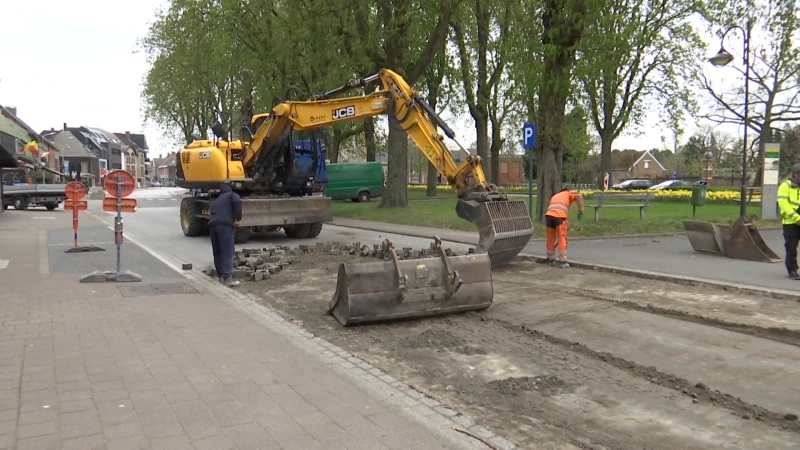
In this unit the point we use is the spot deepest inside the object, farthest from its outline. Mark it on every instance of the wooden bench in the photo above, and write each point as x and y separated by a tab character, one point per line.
644	198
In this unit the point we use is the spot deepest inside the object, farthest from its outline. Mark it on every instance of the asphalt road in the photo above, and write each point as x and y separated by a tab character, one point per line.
157	223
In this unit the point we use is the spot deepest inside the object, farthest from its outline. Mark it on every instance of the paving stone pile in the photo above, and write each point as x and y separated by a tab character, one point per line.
258	264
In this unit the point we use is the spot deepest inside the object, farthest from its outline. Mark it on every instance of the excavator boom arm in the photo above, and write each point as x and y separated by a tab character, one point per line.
396	99
504	226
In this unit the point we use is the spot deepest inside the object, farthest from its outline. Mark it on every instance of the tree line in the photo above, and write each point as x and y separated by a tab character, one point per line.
583	70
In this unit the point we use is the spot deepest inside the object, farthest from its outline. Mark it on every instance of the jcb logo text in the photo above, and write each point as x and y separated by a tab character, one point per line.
341	113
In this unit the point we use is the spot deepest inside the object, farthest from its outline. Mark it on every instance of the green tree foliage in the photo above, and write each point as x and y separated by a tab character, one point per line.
637	52
194	75
569	65
775	67
481	34
440	95
790	149
577	143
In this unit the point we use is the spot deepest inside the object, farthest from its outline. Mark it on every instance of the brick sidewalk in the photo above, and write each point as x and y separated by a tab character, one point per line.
84	367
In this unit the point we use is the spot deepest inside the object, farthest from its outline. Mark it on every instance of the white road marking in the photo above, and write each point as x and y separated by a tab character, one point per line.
81	243
43	218
3	263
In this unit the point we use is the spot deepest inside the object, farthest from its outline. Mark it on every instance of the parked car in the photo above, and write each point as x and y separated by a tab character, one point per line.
630	185
358	182
672	184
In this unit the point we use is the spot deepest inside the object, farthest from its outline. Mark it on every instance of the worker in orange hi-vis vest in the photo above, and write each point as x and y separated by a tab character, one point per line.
555	220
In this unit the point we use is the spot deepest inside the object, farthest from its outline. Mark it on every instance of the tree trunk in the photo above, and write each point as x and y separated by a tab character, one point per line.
605	159
482	135
552	111
497	144
369	134
369	139
433	173
433	180
399	22
396	193
562	25
335	143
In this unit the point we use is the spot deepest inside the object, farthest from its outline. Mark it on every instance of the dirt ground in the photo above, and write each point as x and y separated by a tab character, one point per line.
582	359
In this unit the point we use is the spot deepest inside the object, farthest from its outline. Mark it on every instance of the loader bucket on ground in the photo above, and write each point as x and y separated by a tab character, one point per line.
504	227
704	236
738	241
743	241
412	288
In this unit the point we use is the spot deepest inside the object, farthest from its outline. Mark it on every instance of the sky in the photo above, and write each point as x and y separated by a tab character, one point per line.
75	62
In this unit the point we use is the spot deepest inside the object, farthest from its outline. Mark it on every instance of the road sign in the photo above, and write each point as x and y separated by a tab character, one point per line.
76	205
126	204
119	184
75	190
125	183
605	181
529	135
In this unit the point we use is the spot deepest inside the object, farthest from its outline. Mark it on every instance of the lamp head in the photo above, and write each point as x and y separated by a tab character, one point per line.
722	58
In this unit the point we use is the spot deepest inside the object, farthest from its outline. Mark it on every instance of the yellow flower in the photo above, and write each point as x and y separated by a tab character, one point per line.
668	195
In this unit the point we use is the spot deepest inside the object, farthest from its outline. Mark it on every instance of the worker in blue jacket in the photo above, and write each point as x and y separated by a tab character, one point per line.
226	213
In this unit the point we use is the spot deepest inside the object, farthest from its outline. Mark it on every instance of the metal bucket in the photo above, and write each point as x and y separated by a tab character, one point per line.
504	227
741	240
744	241
412	288
704	237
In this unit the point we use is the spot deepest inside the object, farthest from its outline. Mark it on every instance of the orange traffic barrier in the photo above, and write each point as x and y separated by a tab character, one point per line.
125	204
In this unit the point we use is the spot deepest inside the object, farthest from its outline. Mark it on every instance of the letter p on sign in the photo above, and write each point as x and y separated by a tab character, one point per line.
529	135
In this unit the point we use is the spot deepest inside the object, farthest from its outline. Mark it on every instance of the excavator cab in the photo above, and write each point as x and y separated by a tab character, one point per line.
302	164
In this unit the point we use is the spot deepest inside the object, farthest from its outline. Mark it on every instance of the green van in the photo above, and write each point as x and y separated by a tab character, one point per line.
358	182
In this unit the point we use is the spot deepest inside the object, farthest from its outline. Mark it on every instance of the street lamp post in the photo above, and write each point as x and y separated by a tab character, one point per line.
723	58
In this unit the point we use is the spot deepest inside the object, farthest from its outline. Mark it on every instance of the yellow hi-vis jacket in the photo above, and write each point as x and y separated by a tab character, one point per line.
789	202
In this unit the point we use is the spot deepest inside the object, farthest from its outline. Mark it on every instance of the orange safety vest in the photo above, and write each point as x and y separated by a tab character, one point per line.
560	203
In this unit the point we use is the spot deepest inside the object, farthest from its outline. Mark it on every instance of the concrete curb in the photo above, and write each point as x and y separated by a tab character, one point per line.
778	294
420	234
443	232
436	417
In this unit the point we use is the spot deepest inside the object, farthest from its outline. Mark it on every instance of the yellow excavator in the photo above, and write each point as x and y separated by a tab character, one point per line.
255	169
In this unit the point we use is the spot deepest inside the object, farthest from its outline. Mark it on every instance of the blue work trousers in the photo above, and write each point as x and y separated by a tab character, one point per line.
223	248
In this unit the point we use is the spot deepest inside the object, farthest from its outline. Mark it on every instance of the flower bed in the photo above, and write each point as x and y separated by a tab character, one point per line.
666	195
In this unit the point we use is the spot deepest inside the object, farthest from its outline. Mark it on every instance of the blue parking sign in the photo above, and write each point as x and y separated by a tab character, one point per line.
529	135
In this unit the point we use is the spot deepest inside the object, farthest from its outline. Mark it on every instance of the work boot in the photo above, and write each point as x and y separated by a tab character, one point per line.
563	265
794	276
220	278
231	282
552	262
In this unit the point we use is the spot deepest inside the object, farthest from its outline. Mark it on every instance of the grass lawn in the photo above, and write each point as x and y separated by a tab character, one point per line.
660	217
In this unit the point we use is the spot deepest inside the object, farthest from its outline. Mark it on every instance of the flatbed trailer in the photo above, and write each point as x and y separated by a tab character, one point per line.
23	196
